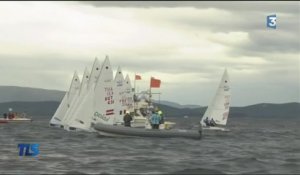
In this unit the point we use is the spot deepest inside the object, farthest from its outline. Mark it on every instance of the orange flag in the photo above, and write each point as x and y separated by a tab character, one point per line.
155	83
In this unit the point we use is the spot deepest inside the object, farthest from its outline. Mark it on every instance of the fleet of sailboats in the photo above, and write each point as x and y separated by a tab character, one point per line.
98	97
99	102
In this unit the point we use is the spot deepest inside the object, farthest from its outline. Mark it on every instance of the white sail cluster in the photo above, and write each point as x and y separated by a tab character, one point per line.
98	98
102	98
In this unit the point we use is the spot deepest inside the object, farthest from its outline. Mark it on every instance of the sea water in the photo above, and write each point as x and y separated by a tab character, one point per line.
251	146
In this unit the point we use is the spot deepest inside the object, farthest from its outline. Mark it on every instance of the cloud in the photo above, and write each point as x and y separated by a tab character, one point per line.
231	38
185	44
288	7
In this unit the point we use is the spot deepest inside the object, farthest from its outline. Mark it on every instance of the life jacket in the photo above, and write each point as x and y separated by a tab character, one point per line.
155	118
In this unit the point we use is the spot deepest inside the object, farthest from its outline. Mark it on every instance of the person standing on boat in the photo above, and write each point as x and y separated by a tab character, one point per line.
4	115
161	120
155	120
127	119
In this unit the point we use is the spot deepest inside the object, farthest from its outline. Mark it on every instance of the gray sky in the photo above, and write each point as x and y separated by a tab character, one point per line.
185	44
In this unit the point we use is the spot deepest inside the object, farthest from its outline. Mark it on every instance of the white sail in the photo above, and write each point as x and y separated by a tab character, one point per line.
67	100
85	81
58	115
119	96
218	110
80	95
85	101
129	94
104	102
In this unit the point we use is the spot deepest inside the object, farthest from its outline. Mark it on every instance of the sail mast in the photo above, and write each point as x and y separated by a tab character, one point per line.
134	94
150	95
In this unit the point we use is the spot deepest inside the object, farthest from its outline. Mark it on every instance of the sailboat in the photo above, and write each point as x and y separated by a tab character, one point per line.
120	97
82	92
104	102
66	101
216	114
128	94
79	118
98	102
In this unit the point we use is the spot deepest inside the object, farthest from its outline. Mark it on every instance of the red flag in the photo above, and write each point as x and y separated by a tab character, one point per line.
155	83
138	77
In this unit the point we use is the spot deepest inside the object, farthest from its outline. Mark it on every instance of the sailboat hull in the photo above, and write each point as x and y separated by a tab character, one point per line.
117	131
215	128
18	120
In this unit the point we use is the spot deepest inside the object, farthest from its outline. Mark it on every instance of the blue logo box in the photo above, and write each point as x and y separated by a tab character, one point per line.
26	149
271	21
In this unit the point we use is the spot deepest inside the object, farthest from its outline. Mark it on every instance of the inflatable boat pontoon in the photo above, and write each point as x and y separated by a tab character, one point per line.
113	130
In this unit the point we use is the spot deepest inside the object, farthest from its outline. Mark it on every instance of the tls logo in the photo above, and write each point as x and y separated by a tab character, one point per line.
30	149
271	21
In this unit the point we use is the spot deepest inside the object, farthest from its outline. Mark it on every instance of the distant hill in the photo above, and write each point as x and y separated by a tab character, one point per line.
42	108
43	102
287	110
15	93
176	105
264	110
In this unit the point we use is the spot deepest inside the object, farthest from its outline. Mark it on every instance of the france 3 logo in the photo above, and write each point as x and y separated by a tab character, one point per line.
271	21
31	150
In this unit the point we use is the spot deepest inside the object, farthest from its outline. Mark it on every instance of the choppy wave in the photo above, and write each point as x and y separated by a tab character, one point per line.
260	146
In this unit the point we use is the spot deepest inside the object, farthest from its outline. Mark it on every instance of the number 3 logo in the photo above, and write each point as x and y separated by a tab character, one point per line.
271	21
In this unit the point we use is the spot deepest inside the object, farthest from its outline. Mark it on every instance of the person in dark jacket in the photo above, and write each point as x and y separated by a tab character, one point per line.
5	115
206	121
212	122
127	119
